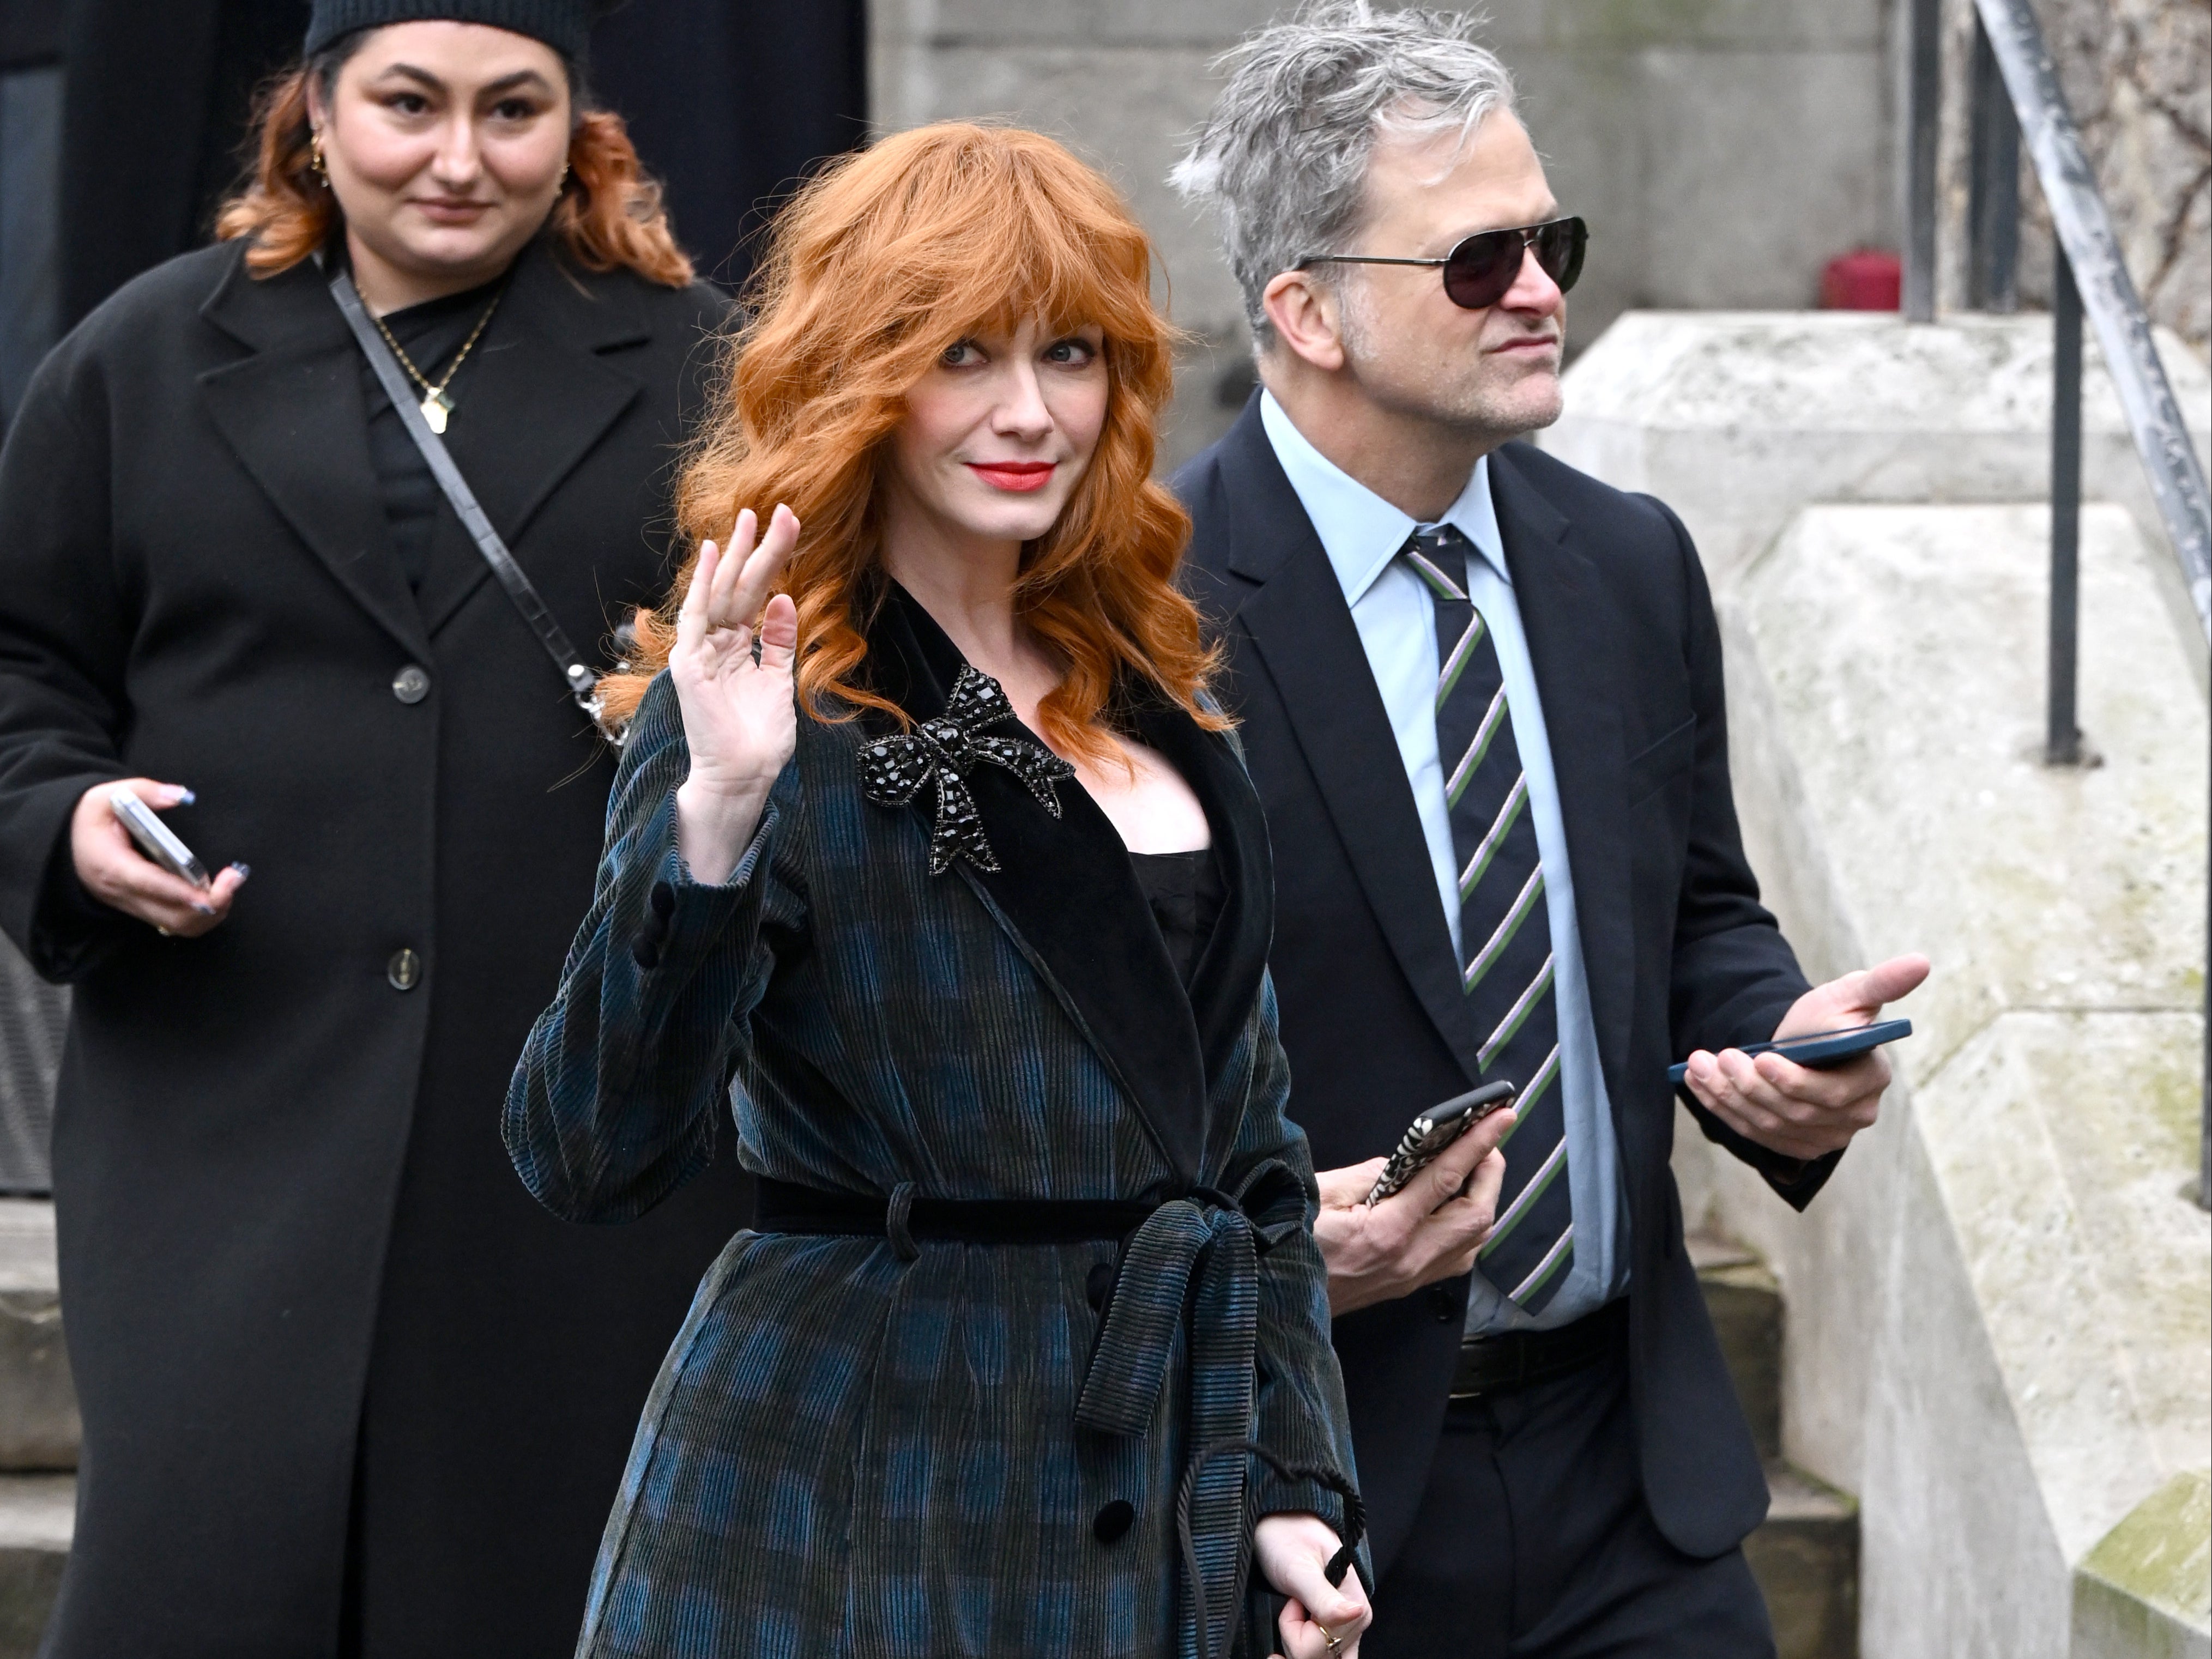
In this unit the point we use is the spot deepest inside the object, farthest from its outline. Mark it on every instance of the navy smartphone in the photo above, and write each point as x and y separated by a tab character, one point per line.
1820	1050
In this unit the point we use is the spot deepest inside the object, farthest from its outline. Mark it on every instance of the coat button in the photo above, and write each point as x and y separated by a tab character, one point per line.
1098	1283
663	900
410	684
645	953
1113	1521
404	970
1440	1300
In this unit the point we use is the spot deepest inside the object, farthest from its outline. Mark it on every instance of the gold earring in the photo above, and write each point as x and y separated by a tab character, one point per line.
315	149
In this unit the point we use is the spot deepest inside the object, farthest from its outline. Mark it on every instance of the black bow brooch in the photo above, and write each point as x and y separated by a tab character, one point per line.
894	768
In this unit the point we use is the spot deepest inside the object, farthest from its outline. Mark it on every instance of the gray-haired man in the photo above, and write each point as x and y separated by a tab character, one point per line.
1481	698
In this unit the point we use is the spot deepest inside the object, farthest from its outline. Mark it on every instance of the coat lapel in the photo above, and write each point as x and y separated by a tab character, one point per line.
1573	634
1065	894
536	397
293	413
1304	631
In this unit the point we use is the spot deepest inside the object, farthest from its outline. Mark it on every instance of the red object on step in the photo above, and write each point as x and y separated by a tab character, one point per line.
1871	279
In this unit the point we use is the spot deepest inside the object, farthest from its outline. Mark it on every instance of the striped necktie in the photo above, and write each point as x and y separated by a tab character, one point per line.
1505	930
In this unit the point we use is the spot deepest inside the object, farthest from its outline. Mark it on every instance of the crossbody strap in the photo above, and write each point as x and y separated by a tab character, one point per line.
579	677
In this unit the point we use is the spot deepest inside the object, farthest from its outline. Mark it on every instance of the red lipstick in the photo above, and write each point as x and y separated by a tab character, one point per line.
1020	476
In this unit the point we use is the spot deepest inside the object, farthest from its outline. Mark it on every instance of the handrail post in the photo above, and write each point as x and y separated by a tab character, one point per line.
1993	210
1923	96
2063	740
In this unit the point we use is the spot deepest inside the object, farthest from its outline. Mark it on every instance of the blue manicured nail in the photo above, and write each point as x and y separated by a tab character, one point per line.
244	870
186	798
205	909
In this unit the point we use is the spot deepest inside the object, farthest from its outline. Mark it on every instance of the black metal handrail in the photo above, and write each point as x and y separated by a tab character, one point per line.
2089	277
2088	246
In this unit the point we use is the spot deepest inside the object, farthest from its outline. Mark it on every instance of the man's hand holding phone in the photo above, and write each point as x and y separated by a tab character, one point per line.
1428	1229
1799	1111
114	872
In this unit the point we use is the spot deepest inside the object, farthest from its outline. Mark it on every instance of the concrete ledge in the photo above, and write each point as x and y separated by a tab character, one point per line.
2147	1588
2000	1330
1737	419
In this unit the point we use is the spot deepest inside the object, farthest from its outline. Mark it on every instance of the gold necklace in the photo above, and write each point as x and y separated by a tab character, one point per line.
436	405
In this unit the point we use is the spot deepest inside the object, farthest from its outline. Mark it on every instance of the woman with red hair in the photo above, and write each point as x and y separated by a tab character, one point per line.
931	860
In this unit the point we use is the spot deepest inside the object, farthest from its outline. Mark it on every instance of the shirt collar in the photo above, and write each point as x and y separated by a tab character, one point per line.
1359	531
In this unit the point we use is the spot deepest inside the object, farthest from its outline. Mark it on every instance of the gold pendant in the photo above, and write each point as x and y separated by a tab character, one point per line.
435	408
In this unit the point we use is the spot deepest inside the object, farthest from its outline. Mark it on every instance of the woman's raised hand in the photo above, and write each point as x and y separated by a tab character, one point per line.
740	720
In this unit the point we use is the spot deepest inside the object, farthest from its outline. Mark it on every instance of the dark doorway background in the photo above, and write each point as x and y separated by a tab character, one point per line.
730	102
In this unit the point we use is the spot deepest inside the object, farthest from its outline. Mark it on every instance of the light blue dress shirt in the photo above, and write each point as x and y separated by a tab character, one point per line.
1362	534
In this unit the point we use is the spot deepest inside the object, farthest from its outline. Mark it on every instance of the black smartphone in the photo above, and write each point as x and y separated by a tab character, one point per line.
1434	1129
1820	1050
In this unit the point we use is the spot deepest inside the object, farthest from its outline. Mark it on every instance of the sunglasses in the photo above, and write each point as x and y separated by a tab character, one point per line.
1480	269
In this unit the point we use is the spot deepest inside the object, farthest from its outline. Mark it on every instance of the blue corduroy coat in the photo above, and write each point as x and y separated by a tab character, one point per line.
859	1449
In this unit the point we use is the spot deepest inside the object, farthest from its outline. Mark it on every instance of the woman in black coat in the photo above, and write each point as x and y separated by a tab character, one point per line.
339	1373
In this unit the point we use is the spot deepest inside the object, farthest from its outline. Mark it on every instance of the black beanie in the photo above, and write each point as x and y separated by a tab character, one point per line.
563	25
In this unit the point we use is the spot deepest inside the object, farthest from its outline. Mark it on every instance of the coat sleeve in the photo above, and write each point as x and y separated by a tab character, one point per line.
616	1101
66	622
1299	1412
1734	975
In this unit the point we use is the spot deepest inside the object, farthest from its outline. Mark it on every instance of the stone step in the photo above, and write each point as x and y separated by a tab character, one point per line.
38	1426
1745	1300
37	1515
1806	1558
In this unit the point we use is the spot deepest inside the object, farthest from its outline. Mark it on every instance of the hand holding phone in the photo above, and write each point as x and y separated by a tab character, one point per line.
1832	1089
1820	1050
126	858
1428	1229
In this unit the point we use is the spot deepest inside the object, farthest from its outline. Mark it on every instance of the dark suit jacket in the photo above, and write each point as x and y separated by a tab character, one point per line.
288	1228
1679	952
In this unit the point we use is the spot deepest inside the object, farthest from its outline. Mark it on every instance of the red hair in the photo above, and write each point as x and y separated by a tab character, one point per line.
878	265
608	214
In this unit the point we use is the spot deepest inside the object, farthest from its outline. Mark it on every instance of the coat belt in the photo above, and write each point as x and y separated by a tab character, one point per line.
1191	1263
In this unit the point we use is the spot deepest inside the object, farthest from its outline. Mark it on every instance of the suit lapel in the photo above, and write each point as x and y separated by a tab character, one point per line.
1066	895
294	414
1304	631
535	398
1574	646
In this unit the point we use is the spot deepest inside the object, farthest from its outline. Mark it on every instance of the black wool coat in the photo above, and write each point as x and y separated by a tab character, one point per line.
1680	953
291	1245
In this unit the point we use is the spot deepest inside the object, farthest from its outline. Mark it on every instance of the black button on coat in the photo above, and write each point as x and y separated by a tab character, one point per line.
289	1235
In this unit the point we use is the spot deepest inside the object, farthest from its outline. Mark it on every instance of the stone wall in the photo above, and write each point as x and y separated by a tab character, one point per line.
1998	1334
2137	74
1722	149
